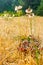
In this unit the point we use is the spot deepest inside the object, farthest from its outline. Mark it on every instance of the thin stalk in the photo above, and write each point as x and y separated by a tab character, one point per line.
31	25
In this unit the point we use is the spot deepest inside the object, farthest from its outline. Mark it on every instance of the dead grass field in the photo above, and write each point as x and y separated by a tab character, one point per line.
18	26
12	27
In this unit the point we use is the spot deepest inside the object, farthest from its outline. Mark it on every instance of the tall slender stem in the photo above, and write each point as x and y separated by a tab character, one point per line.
31	25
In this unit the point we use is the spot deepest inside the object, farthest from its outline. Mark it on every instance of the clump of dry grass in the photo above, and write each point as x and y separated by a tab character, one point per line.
11	56
12	32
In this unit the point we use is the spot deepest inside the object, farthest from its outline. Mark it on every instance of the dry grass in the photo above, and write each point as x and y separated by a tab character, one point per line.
10	30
